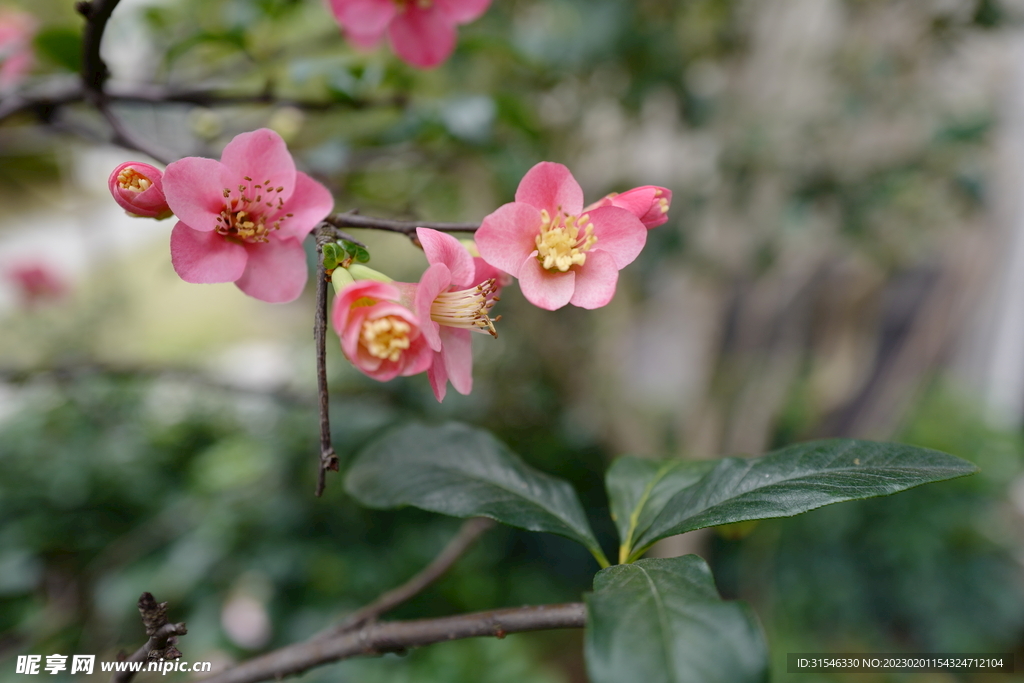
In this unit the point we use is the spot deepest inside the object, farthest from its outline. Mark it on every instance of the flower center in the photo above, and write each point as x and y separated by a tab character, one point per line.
661	201
243	216
564	240
422	4
130	179
386	337
467	308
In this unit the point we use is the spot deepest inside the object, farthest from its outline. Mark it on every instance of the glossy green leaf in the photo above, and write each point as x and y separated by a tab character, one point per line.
792	480
457	470
662	621
639	488
61	45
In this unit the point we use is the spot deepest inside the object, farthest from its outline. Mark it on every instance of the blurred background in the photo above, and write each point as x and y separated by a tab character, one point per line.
844	257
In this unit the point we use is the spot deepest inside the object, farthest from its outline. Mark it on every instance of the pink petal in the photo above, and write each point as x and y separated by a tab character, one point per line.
194	188
309	204
442	248
619	234
463	11
205	257
457	350
543	288
507	236
276	271
438	377
364	17
418	358
551	186
485	271
261	155
422	37
435	279
595	281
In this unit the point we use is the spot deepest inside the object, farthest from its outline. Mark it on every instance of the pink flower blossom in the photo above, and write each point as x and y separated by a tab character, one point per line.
451	303
560	253
379	335
138	188
649	203
421	32
16	57
242	219
36	282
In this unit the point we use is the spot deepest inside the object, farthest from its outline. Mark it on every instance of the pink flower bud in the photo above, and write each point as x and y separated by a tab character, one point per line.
649	203
138	189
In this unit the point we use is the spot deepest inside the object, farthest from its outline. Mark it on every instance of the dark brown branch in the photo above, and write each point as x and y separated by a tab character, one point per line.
328	458
162	636
352	220
95	73
471	530
97	14
396	636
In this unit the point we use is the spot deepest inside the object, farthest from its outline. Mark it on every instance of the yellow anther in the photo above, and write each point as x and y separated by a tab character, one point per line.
386	337
560	244
130	179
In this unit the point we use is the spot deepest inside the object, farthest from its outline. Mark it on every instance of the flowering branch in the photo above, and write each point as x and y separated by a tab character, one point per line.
162	636
63	94
396	636
328	458
353	220
471	530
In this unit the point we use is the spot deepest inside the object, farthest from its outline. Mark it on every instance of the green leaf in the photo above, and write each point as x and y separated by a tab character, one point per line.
639	488
358	253
662	621
790	481
60	45
331	256
457	470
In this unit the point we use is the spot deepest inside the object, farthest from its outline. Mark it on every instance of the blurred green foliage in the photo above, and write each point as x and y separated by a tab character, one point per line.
860	148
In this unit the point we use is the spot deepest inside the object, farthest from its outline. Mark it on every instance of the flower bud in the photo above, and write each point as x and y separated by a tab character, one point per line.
138	189
649	203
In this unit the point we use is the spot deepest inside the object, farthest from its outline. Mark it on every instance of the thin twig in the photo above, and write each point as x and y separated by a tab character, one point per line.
123	137
470	531
352	220
328	458
162	636
396	636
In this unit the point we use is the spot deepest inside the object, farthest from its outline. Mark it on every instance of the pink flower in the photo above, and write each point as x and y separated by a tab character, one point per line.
560	253
422	32
242	219
451	303
138	188
649	203
379	335
16	58
36	282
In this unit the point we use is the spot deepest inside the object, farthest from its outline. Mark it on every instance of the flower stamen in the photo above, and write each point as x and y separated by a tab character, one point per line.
467	308
242	217
386	337
130	179
564	240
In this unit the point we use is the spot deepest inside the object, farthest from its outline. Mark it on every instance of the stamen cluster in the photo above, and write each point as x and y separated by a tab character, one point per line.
386	338
243	216
468	308
560	244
